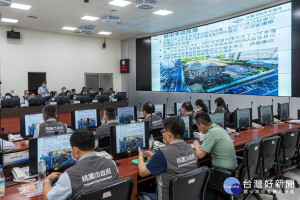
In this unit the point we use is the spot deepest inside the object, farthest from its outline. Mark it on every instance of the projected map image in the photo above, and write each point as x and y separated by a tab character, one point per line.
186	134
159	109
125	114
86	122
31	121
86	118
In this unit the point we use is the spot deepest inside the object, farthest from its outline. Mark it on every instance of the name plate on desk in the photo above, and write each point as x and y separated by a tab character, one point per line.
15	158
95	101
53	103
76	102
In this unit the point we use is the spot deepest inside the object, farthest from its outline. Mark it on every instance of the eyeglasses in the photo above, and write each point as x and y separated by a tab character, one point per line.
163	131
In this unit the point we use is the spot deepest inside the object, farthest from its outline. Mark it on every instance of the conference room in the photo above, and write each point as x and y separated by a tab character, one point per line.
151	99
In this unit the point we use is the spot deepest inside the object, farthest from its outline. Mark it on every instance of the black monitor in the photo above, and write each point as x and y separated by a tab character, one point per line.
85	119
177	108
123	95
43	101
128	137
243	118
56	151
188	133
83	98
283	111
29	122
265	114
126	114
15	102
207	103
61	100
118	97
93	95
6	103
160	110
33	101
103	98
218	118
15	96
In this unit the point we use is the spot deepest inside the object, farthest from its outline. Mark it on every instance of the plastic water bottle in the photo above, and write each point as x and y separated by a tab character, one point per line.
42	170
151	143
2	182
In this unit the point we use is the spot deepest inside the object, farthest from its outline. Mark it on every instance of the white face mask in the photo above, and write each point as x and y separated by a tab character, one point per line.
65	91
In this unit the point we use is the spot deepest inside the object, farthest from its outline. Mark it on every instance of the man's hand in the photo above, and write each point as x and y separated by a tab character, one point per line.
53	176
149	154
196	144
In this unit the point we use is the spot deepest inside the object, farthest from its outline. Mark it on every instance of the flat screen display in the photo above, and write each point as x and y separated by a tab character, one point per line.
86	119
283	111
177	108
188	132
243	118
249	54
28	123
218	118
126	114
160	110
265	114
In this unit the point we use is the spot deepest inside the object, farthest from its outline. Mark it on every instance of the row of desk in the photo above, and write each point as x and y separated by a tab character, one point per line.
126	169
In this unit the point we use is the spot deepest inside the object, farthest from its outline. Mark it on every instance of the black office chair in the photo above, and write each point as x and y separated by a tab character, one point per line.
156	132
289	145
121	189
104	142
188	186
246	171
269	155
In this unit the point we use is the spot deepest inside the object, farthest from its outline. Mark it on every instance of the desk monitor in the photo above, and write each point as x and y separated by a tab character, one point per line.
83	98
56	151
29	122
243	118
6	103
42	101
103	98
160	110
128	137
123	95
118	97
207	103
265	114
15	158
177	109
61	100
33	101
85	119
218	118
188	133
15	102
283	111
126	114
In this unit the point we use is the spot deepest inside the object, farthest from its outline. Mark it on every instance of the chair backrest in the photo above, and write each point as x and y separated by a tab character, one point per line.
289	143
104	142
190	185
252	157
156	132
121	189
269	152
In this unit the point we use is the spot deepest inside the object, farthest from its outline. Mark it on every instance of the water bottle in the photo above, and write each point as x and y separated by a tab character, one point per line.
151	143
42	170
2	182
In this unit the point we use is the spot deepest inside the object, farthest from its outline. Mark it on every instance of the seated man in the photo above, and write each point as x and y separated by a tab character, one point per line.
187	109
50	126
63	91
110	120
7	146
73	91
176	158
150	116
25	97
90	170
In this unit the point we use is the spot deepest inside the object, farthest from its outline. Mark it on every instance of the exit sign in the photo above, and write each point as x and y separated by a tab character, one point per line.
124	66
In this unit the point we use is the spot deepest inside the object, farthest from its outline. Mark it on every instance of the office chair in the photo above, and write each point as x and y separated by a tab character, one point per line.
269	155
246	171
156	132
188	186
104	142
289	145
121	189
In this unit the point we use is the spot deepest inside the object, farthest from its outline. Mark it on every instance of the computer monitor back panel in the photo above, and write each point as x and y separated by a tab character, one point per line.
188	133
265	114
56	151
283	111
160	110
243	118
126	115
218	118
29	122
85	119
128	137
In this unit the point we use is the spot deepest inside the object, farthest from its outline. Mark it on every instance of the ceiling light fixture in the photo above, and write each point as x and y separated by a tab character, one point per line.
20	6
90	18
145	4
9	20
68	28
163	12
121	3
104	33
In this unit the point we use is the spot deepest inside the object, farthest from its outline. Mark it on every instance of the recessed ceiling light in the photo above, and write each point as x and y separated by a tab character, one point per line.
9	20
20	6
163	12
68	28
104	33
120	3
90	18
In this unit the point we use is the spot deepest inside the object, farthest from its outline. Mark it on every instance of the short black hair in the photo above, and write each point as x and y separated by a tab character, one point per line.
63	88
52	93
8	94
90	88
175	125
101	89
49	111
187	106
83	139
149	108
31	93
83	87
203	118
73	90
110	112
44	82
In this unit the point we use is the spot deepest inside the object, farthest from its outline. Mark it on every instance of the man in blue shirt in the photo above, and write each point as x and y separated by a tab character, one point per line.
63	91
43	90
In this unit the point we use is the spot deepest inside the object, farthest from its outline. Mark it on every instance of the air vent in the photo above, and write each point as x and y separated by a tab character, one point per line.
88	29
110	19
145	4
6	2
32	17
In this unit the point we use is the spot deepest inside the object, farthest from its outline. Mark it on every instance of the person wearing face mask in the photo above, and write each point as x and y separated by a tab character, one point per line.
76	178
222	107
63	91
50	126
151	117
176	158
187	109
25	97
110	120
112	95
53	95
43	90
73	97
218	144
7	96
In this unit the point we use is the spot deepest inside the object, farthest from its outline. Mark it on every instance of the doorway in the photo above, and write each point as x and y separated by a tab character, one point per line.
35	80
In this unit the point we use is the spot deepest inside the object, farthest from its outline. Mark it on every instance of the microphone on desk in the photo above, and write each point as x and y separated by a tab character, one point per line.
190	99
167	106
251	105
2	149
140	109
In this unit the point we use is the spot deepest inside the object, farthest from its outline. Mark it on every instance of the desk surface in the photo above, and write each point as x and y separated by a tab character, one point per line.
126	169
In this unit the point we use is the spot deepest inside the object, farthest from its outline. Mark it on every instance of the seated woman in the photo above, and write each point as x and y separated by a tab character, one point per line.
200	106
222	107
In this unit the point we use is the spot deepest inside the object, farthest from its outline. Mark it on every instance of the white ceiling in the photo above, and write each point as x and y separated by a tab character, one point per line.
54	14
